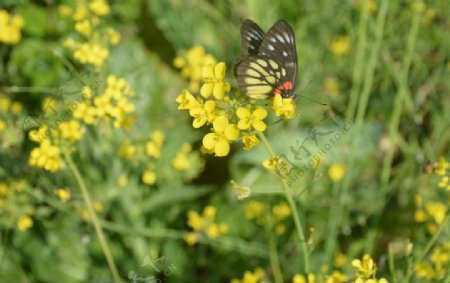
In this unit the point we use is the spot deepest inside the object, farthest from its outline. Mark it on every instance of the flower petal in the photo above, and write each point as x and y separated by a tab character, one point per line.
219	90
260	113
209	141
242	112
259	126
220	123
219	70
207	89
222	147
231	132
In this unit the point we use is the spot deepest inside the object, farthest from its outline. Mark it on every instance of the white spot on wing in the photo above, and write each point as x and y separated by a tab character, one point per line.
280	38
270	46
285	54
273	39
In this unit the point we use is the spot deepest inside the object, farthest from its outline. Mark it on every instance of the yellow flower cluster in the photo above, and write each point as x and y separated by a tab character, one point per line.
438	264
336	171
191	65
256	211
204	224
299	278
15	205
442	169
188	162
94	47
432	212
366	270
9	114
232	117
112	104
10	27
152	150
63	194
52	143
256	276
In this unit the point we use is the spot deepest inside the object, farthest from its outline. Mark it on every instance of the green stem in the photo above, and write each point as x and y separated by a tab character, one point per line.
274	262
290	200
355	135
359	59
98	229
427	249
391	264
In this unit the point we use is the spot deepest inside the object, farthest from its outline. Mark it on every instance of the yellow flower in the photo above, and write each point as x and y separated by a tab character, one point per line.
251	119
10	27
191	238
98	206
437	210
284	107
87	53
99	7
213	231
254	209
418	7
223	134
39	135
214	81
84	27
273	164
340	260
71	130
250	141
127	149
331	85
441	166
336	172
180	162
149	177
122	181
24	222
365	267
186	100
203	113
340	45
16	107
47	156
281	211
209	212
195	221
63	194
337	277
2	126
241	191
114	36
85	112
302	279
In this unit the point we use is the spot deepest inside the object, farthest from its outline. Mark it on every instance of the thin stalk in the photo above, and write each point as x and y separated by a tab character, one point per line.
333	226
400	99
359	59
291	202
93	215
391	264
426	250
355	135
274	262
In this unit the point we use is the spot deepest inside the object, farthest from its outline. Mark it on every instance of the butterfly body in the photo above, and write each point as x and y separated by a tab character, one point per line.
268	65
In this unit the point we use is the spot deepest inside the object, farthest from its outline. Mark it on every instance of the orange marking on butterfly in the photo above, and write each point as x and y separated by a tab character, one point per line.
285	86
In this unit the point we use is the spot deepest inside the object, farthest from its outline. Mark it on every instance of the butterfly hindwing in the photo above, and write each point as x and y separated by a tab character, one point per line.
251	37
258	76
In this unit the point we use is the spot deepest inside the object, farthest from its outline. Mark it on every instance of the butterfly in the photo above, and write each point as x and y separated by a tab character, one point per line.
268	65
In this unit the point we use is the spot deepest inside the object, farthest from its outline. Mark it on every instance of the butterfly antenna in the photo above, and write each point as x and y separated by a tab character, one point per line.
309	98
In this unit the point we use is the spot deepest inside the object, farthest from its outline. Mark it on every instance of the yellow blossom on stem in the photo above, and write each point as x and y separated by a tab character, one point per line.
84	27
47	156
215	84
254	209
281	211
203	113
195	221
250	141
220	139
24	223
10	27
63	194
336	277
251	119
99	7
71	130
149	177
340	45
284	107
336	171
366	267
302	278
273	164
191	238
186	100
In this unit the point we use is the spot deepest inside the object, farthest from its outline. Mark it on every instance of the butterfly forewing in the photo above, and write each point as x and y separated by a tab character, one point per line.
251	37
269	62
279	45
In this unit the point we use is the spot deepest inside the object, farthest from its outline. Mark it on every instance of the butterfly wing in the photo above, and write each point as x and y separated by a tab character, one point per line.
258	76
251	37
279	45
